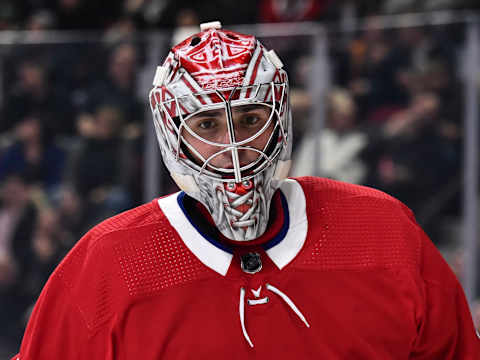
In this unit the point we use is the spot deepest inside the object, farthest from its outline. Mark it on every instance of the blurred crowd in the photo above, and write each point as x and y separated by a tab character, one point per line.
394	118
154	14
70	156
71	128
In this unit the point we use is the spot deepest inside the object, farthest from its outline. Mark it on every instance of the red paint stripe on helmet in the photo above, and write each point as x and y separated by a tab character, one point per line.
190	86
254	74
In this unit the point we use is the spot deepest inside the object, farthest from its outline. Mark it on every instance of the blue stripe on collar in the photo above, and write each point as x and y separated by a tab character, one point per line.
210	239
286	225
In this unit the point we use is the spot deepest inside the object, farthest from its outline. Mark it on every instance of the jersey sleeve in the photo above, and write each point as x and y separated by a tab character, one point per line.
76	315
445	327
57	329
62	324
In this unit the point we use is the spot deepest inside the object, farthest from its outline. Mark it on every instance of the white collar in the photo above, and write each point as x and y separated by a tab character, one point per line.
217	257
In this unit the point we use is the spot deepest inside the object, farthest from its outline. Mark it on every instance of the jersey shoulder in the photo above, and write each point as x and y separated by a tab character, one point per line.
99	241
356	227
142	215
129	256
327	190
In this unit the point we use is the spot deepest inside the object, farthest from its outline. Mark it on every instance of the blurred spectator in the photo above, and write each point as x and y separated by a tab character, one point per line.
10	14
228	12
291	10
476	314
50	242
86	14
67	69
411	139
373	72
118	89
72	215
33	93
301	103
399	6
187	24
35	154
41	20
145	12
101	165
17	221
415	53
122	30
340	144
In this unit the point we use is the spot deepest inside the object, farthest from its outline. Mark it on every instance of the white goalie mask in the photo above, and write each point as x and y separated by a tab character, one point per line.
221	113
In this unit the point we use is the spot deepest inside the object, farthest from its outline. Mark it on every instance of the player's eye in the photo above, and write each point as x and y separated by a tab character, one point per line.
251	120
206	124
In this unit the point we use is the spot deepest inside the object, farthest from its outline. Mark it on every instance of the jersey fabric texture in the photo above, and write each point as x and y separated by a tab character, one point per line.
350	275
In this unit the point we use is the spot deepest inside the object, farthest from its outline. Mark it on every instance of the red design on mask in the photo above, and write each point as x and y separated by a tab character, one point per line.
216	58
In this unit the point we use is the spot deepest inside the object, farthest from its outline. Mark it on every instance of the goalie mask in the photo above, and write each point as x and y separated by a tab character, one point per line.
221	112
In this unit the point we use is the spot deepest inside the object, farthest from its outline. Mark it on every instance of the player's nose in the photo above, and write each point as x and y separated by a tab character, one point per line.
224	136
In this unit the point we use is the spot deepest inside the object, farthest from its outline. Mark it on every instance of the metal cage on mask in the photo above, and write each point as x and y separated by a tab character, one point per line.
172	114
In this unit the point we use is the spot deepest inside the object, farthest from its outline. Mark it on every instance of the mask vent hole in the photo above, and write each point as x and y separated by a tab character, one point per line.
195	41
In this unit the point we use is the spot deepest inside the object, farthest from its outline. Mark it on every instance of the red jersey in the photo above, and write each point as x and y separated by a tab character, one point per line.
349	275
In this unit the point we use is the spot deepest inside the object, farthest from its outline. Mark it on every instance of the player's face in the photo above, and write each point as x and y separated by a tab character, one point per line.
212	125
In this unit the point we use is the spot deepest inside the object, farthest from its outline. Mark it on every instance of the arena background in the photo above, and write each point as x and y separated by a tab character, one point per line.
384	94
